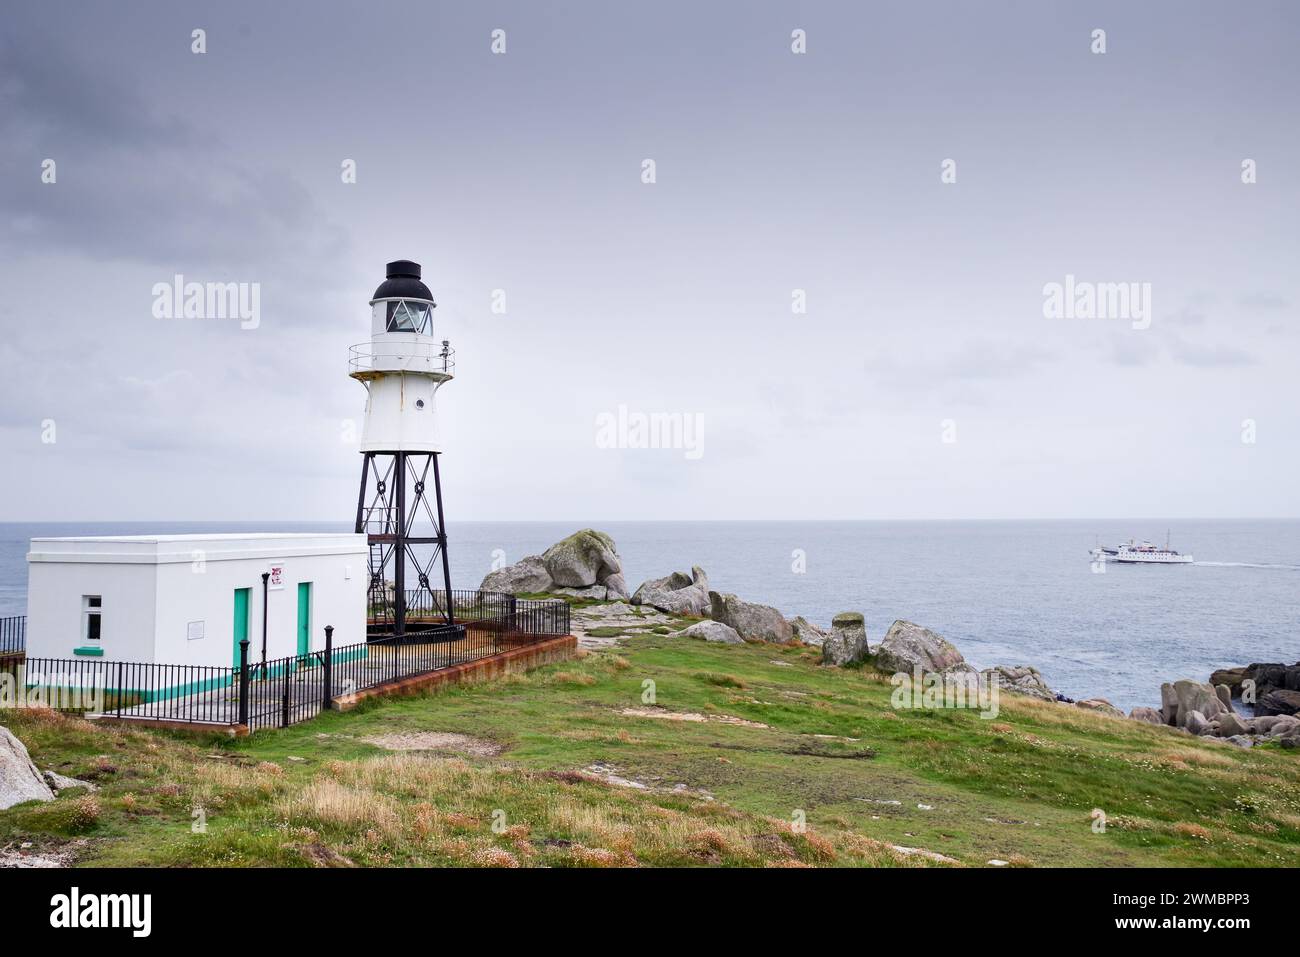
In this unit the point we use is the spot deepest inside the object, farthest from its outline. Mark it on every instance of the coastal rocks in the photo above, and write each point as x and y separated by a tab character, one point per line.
1194	722
1279	701
1232	677
1021	679
585	558
1100	705
1149	715
616	586
20	779
678	593
1274	724
1192	696
584	565
713	631
847	642
525	576
907	646
752	621
1231	725
1225	695
805	632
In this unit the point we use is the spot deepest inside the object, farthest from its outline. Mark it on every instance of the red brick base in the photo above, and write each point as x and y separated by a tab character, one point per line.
482	669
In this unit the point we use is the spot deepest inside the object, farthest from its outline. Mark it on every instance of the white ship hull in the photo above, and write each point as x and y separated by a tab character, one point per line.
1151	559
1131	553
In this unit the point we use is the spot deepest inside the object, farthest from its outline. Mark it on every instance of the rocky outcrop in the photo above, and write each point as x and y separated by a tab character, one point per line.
713	631
1231	725
806	633
525	576
678	593
585	558
585	565
1232	677
1278	701
907	646
1187	696
20	779
1149	715
752	621
847	642
1021	679
1100	705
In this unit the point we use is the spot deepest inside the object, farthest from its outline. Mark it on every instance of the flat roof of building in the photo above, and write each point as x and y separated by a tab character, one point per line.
214	547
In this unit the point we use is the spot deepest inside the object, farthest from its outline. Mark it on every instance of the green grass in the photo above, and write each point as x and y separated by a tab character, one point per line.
776	739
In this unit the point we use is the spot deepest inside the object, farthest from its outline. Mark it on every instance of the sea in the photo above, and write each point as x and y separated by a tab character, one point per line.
1004	592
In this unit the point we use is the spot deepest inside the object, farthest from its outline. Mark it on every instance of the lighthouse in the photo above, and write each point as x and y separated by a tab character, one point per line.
399	507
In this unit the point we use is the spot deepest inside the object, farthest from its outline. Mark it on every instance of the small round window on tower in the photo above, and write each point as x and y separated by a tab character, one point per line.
419	403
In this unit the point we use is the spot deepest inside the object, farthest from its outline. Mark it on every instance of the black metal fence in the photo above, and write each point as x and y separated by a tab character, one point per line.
13	635
284	691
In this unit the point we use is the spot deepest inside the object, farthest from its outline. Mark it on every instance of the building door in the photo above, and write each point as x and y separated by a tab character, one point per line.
241	619
304	620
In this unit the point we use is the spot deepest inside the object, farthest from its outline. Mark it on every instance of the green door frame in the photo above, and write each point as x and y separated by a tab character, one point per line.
304	622
241	619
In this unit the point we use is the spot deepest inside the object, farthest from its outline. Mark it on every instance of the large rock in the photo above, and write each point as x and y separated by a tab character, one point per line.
1273	724
616	586
1169	703
907	646
1225	695
1195	722
1100	705
713	631
20	779
1232	677
523	577
805	632
1149	715
1278	701
847	642
752	621
678	593
584	558
1021	679
1195	696
1231	725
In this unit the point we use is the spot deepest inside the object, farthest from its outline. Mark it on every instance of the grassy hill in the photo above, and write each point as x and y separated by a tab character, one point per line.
568	765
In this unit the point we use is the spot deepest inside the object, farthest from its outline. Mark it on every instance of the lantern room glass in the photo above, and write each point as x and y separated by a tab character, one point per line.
406	315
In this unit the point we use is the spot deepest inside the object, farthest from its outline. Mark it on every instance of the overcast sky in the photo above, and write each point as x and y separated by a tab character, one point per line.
923	381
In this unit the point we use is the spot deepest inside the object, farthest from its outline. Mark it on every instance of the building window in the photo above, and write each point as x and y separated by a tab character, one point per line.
91	606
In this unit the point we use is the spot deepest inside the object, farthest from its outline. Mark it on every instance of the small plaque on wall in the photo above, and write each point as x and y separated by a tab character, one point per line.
276	581
194	631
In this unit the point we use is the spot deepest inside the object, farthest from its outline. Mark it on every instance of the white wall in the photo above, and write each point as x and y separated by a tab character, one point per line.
154	587
338	598
54	625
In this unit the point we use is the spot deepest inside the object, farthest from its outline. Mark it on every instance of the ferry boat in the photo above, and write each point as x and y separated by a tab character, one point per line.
1133	553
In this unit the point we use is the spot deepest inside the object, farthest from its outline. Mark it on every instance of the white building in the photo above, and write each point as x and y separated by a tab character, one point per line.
190	599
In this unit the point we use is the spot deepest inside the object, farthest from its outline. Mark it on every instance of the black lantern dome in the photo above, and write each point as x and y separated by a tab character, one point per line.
403	282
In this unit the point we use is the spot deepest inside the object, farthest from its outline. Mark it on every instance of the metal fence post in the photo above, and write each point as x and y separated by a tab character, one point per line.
243	682
328	675
121	693
284	699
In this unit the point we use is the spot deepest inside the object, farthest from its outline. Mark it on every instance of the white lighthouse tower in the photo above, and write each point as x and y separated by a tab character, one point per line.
402	367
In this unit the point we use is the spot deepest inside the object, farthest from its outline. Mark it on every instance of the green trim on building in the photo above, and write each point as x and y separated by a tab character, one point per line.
88	651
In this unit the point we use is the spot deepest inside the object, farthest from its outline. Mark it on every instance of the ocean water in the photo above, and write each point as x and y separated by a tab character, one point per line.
1002	592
